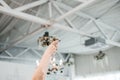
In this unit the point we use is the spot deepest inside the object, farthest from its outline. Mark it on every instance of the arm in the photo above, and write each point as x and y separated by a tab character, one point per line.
44	62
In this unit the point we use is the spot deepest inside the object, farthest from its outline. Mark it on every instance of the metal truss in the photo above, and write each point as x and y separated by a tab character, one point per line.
20	56
17	13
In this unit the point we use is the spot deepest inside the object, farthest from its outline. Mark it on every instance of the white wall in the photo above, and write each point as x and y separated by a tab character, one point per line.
85	64
14	71
107	76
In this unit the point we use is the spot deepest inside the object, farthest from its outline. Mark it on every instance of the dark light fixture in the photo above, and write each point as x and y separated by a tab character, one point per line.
57	66
94	40
90	41
99	56
46	40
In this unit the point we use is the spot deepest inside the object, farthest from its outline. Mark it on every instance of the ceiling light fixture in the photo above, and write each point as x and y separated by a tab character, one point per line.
46	40
57	65
101	59
99	56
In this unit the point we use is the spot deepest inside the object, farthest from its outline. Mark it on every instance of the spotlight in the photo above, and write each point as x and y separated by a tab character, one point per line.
90	41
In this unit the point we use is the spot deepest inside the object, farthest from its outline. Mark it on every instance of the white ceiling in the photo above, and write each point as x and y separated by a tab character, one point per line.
100	18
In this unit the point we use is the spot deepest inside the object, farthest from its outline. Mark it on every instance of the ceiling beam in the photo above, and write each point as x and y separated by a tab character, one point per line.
31	5
110	42
23	52
8	53
74	10
3	18
10	26
85	24
81	0
81	14
35	19
106	25
5	4
19	4
24	7
22	15
20	46
98	20
24	60
19	40
38	54
66	19
88	23
31	18
32	24
114	35
50	9
101	30
67	8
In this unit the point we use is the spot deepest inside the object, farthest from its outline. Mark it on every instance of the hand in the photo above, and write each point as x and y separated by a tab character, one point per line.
55	43
53	47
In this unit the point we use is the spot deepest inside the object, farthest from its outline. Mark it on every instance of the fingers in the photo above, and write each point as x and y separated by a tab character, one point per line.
53	47
55	43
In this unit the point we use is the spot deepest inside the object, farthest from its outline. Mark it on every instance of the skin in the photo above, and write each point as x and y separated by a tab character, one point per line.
41	70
